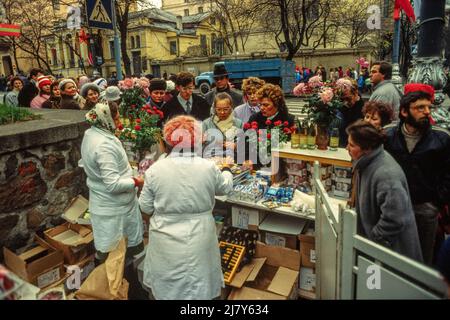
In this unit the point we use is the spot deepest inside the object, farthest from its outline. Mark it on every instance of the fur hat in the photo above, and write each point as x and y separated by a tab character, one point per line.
157	84
64	82
88	86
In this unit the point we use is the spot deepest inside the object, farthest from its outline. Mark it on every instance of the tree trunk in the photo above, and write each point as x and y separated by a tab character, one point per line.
123	49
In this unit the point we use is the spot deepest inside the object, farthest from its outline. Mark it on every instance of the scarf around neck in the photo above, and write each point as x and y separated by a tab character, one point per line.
224	125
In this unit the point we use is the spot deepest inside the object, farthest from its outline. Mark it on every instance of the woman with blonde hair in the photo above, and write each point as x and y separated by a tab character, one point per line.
251	106
183	260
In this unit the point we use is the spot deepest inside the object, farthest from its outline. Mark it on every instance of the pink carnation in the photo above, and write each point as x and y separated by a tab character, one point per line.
299	89
326	95
125	84
315	82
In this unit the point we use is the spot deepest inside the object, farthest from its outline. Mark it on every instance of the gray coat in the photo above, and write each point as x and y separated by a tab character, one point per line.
383	204
388	93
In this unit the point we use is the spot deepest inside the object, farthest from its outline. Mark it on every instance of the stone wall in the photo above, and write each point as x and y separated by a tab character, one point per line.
39	174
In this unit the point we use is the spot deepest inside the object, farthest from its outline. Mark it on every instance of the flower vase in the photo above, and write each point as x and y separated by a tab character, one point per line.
322	138
133	156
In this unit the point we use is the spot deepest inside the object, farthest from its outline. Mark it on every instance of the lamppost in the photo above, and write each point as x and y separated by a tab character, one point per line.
428	66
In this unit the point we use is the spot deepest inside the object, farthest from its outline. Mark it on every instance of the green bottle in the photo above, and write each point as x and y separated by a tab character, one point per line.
303	131
334	139
311	137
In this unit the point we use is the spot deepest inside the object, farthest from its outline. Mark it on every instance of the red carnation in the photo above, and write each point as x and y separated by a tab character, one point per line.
286	130
254	124
268	122
269	136
254	127
120	127
247	125
286	124
138	120
149	111
278	123
155	108
137	128
260	131
94	116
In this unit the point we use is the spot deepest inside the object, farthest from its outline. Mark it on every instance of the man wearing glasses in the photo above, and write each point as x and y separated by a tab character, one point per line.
423	151
222	82
186	102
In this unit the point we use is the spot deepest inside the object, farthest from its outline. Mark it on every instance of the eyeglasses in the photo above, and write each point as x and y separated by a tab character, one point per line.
422	108
188	88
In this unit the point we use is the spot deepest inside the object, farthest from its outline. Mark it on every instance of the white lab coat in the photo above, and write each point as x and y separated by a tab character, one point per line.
183	258
111	190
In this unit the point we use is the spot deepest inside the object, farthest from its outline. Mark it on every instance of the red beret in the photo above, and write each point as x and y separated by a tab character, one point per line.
414	87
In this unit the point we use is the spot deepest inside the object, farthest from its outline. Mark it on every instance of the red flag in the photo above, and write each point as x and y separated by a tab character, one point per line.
83	37
406	6
12	30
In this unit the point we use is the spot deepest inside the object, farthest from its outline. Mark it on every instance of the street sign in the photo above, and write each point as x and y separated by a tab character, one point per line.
99	14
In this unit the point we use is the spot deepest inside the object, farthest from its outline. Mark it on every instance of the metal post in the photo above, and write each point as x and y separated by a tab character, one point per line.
117	53
428	66
396	77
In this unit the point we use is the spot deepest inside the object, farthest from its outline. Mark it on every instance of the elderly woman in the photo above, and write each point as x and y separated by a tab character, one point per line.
112	188
157	92
251	106
183	260
377	113
221	128
69	94
54	102
380	193
11	98
352	108
90	92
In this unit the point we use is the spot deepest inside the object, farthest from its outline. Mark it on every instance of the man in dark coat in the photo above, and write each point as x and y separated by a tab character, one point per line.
221	78
423	152
30	90
186	102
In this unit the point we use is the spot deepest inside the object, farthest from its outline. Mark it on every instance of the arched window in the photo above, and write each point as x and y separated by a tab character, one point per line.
132	42
138	41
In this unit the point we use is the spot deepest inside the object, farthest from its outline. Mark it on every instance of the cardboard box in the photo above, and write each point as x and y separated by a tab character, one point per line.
245	218
40	266
308	248
281	231
271	275
75	211
75	241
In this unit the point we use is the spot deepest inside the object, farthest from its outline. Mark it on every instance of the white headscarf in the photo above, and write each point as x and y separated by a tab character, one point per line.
100	117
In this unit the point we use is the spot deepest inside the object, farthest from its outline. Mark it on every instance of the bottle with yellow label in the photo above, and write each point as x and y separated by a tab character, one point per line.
311	139
334	139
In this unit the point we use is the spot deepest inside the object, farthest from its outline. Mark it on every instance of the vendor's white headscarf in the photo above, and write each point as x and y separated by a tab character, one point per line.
100	117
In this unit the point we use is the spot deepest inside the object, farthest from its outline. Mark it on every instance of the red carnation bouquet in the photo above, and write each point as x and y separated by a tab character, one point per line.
139	121
274	134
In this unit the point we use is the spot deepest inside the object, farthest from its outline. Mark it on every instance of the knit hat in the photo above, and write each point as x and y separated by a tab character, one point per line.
414	87
88	86
112	93
101	83
157	84
64	82
43	81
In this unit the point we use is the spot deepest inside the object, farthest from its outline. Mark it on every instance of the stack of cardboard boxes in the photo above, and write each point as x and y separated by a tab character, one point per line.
66	247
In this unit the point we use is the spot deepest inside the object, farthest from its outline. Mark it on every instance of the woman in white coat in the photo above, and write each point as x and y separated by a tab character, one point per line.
112	189
183	258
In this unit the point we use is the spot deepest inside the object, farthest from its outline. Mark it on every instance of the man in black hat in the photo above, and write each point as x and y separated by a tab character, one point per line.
223	85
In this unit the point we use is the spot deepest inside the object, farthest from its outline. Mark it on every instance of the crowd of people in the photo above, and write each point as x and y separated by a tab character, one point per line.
362	78
401	167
